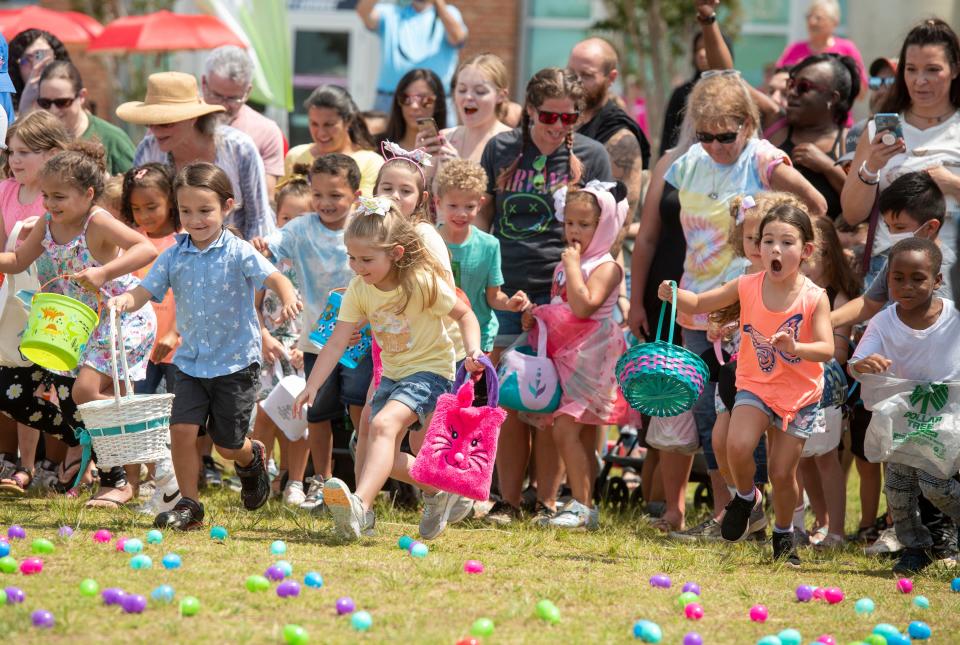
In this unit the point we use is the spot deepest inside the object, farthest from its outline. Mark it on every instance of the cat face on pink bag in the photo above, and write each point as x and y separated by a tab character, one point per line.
459	447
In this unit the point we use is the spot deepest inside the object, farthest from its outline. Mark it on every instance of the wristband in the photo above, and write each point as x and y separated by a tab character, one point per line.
707	20
871	179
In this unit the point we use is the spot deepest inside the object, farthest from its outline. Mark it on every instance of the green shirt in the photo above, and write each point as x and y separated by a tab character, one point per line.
476	266
115	141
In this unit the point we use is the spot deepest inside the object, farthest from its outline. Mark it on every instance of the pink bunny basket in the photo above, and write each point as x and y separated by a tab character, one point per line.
460	447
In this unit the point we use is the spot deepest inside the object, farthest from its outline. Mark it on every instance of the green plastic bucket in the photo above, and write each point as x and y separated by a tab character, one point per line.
57	331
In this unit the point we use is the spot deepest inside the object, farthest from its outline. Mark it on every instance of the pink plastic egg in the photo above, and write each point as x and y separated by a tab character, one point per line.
31	566
121	542
102	536
833	595
904	585
693	611
473	566
826	639
818	593
758	614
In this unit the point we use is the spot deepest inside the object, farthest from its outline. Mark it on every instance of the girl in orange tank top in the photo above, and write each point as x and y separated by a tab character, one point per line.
785	325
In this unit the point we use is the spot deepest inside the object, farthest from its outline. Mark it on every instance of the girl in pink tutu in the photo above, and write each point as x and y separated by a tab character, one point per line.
582	339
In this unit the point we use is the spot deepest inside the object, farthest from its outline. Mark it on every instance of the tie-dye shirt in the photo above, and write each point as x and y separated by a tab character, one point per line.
706	220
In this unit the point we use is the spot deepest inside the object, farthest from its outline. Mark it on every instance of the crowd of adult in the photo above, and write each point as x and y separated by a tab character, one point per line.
721	140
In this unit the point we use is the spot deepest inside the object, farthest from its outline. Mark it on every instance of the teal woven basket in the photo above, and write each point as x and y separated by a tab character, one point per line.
661	379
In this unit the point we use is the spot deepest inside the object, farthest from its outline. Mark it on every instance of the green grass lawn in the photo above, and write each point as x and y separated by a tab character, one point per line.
598	580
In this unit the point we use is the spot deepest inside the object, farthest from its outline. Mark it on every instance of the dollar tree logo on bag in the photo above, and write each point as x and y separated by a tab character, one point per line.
921	428
934	394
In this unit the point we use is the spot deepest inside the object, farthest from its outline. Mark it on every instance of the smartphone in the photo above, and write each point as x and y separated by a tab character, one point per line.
428	128
889	122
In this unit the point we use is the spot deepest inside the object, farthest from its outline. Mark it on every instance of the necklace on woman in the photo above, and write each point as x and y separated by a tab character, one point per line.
715	194
934	119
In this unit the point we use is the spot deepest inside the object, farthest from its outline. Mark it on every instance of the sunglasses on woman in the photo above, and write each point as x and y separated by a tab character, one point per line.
802	86
549	118
60	103
719	137
423	100
876	82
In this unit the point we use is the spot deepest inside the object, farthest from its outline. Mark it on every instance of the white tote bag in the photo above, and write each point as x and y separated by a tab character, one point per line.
914	423
674	434
14	312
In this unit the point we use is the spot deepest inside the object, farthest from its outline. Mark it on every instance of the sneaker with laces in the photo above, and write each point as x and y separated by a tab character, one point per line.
708	530
542	514
576	516
254	481
349	516
735	525
211	472
313	500
502	513
912	561
293	494
785	549
461	510
166	492
187	515
436	513
886	544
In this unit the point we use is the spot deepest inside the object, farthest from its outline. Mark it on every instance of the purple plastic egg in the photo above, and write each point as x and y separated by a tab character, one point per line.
112	595
15	595
804	593
288	589
692	638
661	581
42	618
345	605
273	573
65	532
16	532
692	587
133	603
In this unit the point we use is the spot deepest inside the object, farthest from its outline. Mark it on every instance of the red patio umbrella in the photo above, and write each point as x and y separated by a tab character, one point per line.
69	26
164	31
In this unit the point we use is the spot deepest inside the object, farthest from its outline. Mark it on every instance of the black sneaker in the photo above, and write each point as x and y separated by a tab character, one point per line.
254	480
785	549
211	472
735	524
912	561
187	515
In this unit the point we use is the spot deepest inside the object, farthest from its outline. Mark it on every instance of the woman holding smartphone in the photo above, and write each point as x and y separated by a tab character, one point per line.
923	103
30	51
419	97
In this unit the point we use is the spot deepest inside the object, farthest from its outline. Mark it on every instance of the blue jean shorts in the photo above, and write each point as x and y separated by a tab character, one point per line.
419	392
802	425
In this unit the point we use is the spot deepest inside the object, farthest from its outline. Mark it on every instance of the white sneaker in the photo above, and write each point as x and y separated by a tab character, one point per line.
313	501
436	513
461	510
369	524
167	490
575	515
349	516
293	494
886	543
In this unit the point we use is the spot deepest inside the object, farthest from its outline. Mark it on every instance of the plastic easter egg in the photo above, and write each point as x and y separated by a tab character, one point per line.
693	611
102	536
361	621
804	593
692	638
218	533
141	561
171	561
16	532
469	641
278	547
419	550
758	614
133	546
686	598
660	581
955	585
89	587
482	627
769	640
8	564
691	587
833	595
647	631
163	593
274	573
133	603
285	567
42	618
874	639
189	606
65	532
112	596
790	637
898	639
921	602
547	611
818	593
288	589
257	583
313	579
919	630
473	566
295	635
42	546
31	566
345	605
886	630
826	639
4	548
864	606
15	595
154	536
404	542
904	585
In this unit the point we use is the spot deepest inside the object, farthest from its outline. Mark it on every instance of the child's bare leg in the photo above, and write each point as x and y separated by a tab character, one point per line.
297	454
809	478
566	432
750	424
363	440
721	478
321	448
513	453
386	432
870	485
548	467
675	473
834	491
403	462
785	451
186	459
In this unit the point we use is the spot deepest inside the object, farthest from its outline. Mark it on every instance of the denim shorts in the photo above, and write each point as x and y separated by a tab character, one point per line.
419	392
510	327
703	409
344	386
802	425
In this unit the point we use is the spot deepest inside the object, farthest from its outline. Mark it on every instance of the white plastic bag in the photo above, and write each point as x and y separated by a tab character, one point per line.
674	434
14	312
820	443
914	423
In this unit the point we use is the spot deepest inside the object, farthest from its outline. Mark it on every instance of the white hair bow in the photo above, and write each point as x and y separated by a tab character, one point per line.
374	206
560	195
419	156
746	204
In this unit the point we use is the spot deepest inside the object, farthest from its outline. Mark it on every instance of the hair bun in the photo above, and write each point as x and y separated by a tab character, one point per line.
619	191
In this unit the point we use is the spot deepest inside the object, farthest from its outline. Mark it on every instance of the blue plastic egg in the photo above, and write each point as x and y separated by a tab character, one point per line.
647	631
313	579
218	533
171	561
790	637
361	621
864	606
419	550
954	585
770	640
921	602
163	593
919	630
278	547
285	567
133	545
154	537
141	561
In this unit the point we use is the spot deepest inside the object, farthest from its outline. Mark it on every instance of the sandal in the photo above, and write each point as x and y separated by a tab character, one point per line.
17	483
64	481
664	526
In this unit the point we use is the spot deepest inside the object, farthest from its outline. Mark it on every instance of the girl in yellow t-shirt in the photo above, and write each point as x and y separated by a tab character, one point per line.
401	289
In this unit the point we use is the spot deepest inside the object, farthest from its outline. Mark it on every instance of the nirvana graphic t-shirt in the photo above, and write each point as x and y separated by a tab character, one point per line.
531	239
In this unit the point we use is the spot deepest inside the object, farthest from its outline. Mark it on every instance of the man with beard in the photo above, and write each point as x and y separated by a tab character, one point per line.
595	62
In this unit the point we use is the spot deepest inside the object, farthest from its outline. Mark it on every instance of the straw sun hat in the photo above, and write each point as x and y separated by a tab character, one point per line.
171	97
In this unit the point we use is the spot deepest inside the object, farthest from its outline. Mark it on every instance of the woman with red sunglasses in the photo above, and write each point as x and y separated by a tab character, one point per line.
525	167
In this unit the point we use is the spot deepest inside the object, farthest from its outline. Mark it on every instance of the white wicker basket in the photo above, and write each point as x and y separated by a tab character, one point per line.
130	429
